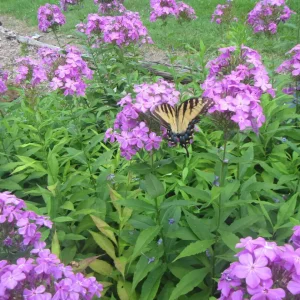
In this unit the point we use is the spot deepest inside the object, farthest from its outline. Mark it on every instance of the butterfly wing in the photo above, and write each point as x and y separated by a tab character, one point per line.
166	115
189	111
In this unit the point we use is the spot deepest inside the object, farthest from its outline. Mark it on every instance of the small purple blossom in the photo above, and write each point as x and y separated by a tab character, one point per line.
223	14
265	271
3	81
50	16
236	88
41	276
118	30
267	14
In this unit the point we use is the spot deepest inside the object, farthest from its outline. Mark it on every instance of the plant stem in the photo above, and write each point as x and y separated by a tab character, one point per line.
56	37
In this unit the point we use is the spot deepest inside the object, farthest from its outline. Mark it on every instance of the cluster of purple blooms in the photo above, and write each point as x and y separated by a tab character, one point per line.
236	82
264	271
29	72
110	7
267	14
130	130
70	75
3	80
292	67
161	9
223	14
41	276
65	3
50	16
66	72
119	30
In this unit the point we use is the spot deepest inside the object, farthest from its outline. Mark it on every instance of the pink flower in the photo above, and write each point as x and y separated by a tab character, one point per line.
11	279
264	292
253	271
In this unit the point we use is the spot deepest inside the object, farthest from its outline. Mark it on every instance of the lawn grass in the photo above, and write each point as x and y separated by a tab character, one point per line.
174	35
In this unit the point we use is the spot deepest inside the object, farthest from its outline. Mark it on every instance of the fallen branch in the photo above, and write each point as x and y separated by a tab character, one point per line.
150	66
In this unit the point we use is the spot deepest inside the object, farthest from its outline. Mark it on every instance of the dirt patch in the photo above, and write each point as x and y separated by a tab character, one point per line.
10	49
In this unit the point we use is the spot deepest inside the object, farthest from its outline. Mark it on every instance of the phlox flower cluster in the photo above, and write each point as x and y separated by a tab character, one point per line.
29	72
292	67
65	3
39	274
264	270
236	82
119	30
223	14
185	12
131	130
267	14
49	57
70	74
3	80
110	6
50	16
161	9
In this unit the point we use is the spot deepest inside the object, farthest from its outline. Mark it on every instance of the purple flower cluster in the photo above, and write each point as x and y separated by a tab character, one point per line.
185	12
264	270
267	14
50	16
113	6
65	3
292	67
223	14
120	30
42	276
29	72
130	128
161	9
70	74
49	57
235	83
3	80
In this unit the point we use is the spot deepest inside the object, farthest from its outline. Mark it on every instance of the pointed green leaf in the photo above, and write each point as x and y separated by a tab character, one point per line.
195	248
153	186
145	237
188	283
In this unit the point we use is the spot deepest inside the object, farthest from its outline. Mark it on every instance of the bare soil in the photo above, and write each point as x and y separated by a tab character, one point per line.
10	49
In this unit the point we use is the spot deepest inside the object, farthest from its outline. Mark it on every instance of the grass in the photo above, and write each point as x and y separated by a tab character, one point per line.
174	35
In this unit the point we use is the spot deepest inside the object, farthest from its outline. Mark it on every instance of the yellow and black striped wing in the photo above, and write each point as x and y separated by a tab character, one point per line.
166	115
189	111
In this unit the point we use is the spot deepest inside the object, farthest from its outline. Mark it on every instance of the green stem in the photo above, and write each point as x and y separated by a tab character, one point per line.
161	230
56	37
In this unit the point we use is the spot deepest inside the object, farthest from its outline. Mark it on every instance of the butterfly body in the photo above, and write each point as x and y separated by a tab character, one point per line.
180	120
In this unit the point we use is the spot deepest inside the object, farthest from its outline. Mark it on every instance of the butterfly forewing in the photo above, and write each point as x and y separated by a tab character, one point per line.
166	114
189	111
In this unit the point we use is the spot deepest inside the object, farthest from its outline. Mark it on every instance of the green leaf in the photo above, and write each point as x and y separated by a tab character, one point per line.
141	169
76	155
188	283
198	226
104	228
286	211
229	239
153	186
144	239
165	205
151	284
142	269
196	193
68	205
104	243
63	219
74	237
195	248
136	204
55	247
101	267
